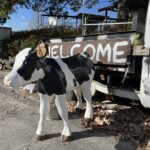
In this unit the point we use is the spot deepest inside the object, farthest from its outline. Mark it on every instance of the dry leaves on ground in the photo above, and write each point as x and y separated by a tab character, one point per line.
128	124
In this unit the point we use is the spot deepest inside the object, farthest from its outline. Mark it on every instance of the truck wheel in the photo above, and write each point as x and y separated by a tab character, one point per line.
1	66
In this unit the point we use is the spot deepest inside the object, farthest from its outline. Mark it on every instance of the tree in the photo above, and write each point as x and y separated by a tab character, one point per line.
59	6
126	6
131	4
46	6
9	7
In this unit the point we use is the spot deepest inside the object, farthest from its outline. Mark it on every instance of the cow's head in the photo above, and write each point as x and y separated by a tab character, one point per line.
27	67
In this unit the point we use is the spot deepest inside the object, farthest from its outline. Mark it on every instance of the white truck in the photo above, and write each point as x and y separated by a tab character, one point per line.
122	68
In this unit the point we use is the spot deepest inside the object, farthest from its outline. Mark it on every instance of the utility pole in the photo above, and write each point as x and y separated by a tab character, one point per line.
83	33
38	18
38	15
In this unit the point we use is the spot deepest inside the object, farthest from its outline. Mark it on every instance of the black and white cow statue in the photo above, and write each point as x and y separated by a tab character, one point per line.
54	78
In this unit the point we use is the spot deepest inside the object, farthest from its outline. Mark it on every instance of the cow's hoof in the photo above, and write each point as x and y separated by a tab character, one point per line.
39	138
65	138
86	122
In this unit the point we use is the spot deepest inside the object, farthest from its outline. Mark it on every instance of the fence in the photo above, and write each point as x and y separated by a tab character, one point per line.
101	26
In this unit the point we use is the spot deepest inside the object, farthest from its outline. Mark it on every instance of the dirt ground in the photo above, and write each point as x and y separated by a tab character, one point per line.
117	125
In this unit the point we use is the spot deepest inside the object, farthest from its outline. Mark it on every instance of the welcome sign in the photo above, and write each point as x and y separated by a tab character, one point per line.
107	51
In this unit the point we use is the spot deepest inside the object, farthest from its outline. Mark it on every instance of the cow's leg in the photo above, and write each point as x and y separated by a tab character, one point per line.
44	105
62	109
86	91
78	94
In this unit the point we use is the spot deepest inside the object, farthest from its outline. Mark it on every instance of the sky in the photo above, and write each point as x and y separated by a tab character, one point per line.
21	19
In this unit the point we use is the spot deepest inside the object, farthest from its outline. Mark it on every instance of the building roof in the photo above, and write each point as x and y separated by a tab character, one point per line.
65	16
79	16
91	16
2	27
111	8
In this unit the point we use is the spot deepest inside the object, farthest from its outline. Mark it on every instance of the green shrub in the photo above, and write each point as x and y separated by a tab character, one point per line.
24	39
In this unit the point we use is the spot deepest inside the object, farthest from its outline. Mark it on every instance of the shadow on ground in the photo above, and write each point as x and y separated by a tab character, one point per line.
129	122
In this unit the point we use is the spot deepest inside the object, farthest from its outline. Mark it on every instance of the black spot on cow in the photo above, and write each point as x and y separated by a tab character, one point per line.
82	70
54	81
29	65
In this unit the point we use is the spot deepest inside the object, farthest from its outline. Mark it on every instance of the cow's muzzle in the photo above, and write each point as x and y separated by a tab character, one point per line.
7	80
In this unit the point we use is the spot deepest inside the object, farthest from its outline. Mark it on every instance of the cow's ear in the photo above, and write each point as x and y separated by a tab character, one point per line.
41	50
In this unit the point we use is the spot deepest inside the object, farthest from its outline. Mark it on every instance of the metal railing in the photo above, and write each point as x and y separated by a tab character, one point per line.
104	24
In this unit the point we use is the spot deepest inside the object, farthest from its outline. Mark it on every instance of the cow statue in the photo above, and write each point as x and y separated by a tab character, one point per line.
54	78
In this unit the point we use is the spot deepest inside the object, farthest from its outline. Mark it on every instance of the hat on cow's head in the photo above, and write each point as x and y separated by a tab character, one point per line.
41	50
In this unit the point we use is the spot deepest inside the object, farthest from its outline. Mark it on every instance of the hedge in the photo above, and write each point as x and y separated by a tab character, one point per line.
24	39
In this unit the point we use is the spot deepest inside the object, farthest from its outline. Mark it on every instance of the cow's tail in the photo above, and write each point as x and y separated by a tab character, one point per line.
90	62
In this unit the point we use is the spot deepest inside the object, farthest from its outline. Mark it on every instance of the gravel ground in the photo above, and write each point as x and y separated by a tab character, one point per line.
18	122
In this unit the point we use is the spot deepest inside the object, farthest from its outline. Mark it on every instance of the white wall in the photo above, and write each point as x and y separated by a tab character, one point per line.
5	33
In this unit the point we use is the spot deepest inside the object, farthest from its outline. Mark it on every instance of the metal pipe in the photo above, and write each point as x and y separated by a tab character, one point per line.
98	24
